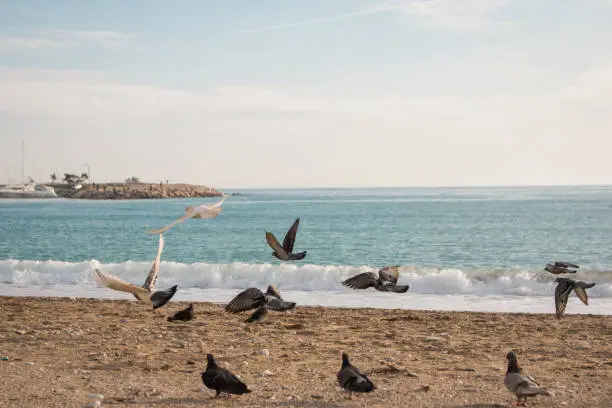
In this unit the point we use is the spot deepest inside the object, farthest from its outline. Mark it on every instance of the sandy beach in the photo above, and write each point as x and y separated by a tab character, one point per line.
60	350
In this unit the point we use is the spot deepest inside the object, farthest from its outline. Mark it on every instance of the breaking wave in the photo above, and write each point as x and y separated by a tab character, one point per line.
426	280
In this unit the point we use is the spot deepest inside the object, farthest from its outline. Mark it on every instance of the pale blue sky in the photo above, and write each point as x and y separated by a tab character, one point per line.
309	93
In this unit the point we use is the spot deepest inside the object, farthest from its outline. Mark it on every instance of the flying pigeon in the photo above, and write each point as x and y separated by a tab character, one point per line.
183	315
144	293
201	211
386	281
253	298
350	378
563	290
561	267
156	299
519	384
285	252
222	380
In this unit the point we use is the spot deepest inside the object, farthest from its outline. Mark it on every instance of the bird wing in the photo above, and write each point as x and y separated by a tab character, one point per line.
258	314
152	278
279	305
189	213
218	203
582	295
274	244
289	240
361	281
562	292
392	287
248	299
389	273
566	265
115	283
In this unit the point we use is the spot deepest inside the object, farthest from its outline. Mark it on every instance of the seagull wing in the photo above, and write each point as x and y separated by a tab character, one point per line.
115	283
582	295
275	245
152	278
562	292
289	240
279	305
248	299
189	213
218	203
361	281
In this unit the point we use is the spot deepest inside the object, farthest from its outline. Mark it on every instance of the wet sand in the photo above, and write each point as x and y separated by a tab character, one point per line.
60	350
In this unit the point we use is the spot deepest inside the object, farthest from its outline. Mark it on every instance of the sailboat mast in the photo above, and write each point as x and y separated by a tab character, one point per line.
22	161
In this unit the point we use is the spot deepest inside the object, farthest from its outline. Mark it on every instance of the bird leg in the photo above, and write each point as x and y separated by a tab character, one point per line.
217	394
229	395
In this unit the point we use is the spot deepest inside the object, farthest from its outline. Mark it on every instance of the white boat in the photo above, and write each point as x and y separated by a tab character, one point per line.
30	190
26	190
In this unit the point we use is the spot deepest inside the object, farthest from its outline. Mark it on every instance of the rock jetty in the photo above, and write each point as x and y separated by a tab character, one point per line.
134	191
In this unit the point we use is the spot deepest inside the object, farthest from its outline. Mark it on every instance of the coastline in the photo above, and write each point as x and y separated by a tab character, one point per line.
70	348
133	191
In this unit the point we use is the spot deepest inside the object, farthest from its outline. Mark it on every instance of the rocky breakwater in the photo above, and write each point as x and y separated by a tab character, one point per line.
134	191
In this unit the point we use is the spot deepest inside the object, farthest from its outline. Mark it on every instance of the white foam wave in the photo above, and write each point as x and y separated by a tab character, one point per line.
438	281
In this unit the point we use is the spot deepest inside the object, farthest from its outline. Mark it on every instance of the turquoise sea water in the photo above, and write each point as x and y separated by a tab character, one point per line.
460	241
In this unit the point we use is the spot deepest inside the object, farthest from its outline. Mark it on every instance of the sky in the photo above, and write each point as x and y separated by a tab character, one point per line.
308	93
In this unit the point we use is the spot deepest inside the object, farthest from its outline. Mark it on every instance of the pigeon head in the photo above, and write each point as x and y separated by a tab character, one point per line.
211	361
511	356
345	359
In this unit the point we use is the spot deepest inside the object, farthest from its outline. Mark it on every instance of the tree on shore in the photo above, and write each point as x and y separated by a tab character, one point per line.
53	178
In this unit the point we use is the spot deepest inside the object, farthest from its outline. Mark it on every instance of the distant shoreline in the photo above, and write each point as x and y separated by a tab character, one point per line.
133	191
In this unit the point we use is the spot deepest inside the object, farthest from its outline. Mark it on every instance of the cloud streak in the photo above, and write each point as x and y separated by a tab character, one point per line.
47	39
460	15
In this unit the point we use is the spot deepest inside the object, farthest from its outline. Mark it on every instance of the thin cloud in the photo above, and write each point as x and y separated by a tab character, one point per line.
462	15
55	39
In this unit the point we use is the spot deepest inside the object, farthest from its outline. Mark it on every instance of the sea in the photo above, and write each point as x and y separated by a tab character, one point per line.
465	249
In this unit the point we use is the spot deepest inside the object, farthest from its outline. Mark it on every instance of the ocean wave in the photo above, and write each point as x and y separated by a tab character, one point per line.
426	280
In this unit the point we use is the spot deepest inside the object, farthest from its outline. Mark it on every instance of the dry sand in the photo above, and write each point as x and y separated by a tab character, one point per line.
61	350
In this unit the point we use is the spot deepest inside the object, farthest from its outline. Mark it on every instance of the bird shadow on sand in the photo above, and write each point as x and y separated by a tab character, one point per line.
234	402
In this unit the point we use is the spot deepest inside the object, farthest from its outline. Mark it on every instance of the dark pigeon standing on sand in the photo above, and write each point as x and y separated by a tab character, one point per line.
183	315
563	290
386	281
350	378
561	267
222	380
253	298
285	252
519	384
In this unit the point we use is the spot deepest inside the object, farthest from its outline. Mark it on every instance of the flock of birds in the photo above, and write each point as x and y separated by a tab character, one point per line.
349	377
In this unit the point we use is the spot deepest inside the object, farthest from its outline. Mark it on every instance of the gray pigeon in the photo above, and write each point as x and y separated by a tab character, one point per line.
253	298
519	384
222	380
285	252
561	267
563	290
386	281
350	378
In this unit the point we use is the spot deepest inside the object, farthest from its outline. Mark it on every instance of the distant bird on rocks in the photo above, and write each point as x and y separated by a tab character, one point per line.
201	211
183	315
350	378
144	293
222	380
285	252
519	384
386	281
561	267
563	290
253	298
